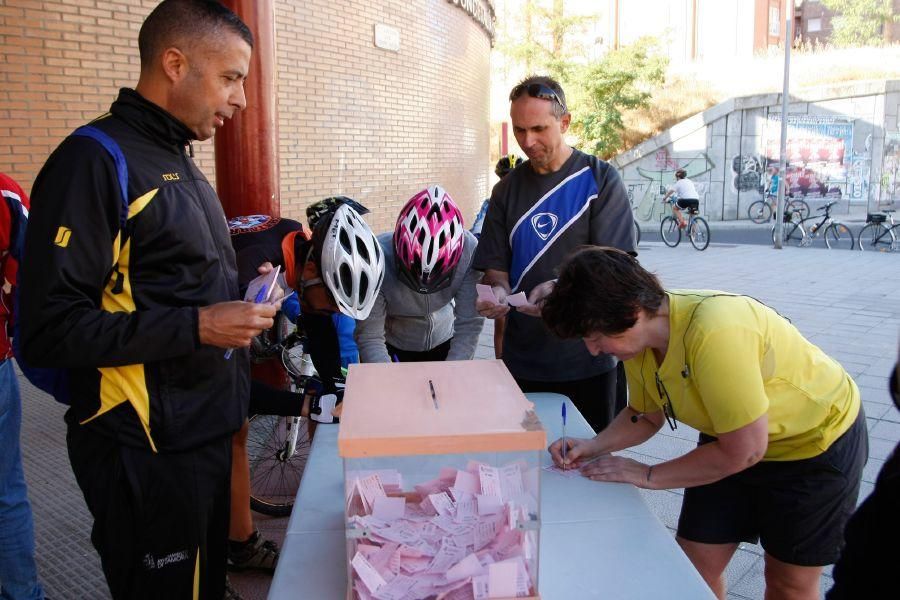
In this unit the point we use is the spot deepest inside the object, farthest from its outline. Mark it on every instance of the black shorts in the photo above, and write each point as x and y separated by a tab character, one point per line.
160	520
797	509
687	203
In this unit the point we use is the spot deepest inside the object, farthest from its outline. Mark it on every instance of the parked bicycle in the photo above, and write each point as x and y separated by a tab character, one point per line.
877	234
696	227
799	231
761	211
278	446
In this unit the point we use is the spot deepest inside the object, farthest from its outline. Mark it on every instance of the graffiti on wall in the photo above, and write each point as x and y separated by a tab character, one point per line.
890	171
818	151
633	190
650	207
664	161
748	173
858	178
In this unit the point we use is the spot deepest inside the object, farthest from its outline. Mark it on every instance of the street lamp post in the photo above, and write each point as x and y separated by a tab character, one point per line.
782	166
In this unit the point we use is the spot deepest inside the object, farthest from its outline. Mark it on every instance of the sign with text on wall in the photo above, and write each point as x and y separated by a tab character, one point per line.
482	12
387	37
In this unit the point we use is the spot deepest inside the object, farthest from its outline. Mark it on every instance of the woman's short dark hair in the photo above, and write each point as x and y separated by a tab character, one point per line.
600	290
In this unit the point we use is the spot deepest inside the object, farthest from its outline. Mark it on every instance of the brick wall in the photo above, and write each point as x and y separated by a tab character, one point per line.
354	119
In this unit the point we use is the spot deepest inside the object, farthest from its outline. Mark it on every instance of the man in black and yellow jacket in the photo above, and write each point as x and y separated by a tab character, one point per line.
142	323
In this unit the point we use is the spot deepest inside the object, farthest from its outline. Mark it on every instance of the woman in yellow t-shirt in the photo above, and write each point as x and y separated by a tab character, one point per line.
782	433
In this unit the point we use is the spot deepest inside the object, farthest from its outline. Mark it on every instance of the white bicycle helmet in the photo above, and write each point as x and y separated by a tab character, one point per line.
352	262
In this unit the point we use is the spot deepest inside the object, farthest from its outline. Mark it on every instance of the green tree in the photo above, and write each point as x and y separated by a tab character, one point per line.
545	39
861	22
622	80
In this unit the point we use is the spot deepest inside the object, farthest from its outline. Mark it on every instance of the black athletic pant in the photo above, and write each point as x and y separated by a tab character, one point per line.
594	397
160	520
437	353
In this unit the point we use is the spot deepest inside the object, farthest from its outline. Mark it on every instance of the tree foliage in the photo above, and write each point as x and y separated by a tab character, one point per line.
860	22
622	80
545	39
550	41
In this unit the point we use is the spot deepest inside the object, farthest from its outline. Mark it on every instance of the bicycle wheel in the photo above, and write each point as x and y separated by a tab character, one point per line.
637	234
699	233
275	477
791	234
876	236
670	232
838	235
760	211
800	206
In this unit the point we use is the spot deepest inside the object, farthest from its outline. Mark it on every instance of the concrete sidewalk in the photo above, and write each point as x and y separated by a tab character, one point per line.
846	302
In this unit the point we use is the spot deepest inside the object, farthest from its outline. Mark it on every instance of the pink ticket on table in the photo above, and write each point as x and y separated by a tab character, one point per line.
388	508
367	573
470	566
502	578
467	482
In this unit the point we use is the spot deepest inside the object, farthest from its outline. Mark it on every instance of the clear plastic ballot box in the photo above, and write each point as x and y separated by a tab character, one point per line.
442	486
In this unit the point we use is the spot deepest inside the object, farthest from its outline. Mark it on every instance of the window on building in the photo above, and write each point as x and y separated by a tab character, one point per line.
774	21
814	25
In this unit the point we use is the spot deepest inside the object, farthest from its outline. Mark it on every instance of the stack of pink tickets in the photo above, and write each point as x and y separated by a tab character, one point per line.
466	535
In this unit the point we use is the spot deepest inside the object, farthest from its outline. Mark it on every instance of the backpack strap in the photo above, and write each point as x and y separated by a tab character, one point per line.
115	152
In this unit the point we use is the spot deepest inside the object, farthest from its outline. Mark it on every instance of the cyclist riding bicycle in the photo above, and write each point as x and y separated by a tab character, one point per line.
686	194
336	268
426	309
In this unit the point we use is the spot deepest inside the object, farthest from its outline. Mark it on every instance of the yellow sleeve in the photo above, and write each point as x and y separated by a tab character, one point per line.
639	397
725	368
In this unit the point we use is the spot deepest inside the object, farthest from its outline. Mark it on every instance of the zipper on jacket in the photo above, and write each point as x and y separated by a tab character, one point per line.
429	319
209	225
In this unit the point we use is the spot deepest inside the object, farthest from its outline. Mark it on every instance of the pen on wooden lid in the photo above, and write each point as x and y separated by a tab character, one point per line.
433	395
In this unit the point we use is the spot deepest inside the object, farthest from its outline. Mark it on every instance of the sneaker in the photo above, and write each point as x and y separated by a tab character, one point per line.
230	592
256	553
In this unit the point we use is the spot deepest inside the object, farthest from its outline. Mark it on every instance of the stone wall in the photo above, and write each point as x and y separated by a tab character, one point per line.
843	144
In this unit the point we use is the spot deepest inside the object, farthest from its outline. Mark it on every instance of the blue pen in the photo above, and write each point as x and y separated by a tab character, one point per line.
260	297
564	431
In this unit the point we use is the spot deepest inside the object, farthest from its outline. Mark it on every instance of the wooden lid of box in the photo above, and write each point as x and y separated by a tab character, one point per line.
388	410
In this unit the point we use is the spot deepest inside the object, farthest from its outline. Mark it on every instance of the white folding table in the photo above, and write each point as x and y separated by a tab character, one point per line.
598	540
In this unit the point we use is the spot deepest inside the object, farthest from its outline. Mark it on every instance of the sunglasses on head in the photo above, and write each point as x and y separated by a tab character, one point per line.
536	90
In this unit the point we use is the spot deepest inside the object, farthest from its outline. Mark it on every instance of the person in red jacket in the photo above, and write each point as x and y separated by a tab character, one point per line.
18	574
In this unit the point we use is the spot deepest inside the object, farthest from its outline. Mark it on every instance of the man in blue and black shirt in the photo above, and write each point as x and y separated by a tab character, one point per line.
558	200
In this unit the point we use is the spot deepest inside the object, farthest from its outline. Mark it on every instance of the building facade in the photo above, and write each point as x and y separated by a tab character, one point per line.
375	99
698	29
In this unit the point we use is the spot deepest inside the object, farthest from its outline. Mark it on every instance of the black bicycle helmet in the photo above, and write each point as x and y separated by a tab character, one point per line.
506	164
314	212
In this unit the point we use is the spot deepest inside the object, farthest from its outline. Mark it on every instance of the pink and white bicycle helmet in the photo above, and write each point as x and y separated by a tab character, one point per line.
351	260
428	240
